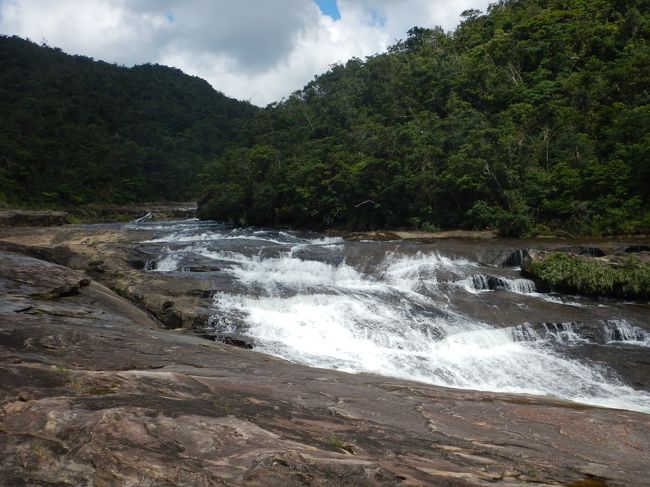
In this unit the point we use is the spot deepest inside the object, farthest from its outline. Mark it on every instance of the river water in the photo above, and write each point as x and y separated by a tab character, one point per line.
447	313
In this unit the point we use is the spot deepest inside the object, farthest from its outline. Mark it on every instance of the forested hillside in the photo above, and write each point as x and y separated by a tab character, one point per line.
75	131
534	116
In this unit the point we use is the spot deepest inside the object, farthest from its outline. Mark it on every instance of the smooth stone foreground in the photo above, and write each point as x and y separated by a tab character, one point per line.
94	393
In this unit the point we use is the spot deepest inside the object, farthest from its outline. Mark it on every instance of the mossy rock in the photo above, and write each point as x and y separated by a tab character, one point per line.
567	273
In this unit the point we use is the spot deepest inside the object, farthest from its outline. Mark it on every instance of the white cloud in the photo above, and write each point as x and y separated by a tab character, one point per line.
256	49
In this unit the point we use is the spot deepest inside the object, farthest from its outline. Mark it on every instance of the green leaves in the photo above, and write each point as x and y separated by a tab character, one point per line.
531	116
629	279
75	131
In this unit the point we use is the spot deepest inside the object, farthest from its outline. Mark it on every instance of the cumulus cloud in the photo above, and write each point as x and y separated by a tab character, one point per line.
258	50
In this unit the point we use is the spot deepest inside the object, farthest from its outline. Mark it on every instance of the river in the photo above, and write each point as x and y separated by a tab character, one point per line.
450	313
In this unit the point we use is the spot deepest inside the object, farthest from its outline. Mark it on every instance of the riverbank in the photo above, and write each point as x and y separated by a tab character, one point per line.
27	217
93	389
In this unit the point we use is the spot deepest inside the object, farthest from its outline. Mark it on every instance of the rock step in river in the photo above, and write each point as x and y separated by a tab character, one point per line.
449	313
93	392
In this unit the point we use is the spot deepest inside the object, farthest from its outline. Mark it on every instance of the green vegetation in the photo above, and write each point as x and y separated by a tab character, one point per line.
572	274
75	131
341	444
533	117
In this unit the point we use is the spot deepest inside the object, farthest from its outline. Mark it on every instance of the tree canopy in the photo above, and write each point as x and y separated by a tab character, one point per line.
532	116
76	131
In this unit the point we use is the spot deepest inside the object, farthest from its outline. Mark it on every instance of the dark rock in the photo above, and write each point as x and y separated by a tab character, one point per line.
170	318
201	293
492	283
152	211
28	276
201	322
234	339
58	254
375	236
586	251
202	268
140	259
637	248
514	258
92	392
26	218
528	259
500	257
599	332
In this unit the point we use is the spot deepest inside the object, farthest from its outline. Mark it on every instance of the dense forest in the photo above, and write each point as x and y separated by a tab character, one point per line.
75	131
531	118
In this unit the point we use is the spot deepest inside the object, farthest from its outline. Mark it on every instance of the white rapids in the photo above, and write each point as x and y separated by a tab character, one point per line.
308	303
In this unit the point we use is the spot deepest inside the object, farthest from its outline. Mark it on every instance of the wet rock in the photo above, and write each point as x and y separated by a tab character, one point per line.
485	282
612	343
36	278
140	259
587	251
142	212
376	236
26	218
238	340
109	256
628	362
528	259
58	254
513	258
92	392
202	268
200	322
633	249
190	297
506	257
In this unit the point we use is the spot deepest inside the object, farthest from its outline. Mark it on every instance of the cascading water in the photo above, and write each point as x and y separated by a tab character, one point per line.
364	307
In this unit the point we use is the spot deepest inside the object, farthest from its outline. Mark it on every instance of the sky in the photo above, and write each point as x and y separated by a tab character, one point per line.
256	50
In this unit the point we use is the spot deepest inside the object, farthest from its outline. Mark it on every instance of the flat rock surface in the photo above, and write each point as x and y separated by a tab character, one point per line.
93	392
106	255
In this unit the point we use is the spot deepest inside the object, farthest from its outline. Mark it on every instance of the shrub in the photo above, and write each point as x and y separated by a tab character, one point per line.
567	273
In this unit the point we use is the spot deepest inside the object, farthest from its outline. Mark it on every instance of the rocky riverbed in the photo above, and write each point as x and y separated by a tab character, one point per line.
104	383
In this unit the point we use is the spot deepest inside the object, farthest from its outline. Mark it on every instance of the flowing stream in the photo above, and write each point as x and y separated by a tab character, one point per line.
440	313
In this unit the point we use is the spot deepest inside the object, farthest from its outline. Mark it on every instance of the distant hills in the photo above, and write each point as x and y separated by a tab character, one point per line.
75	131
532	118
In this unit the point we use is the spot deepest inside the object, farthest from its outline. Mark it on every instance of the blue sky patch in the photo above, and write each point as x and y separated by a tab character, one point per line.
169	15
377	18
329	7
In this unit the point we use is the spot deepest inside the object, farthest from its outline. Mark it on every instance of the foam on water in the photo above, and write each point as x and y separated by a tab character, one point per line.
395	320
620	331
477	283
521	286
359	330
170	262
357	335
190	234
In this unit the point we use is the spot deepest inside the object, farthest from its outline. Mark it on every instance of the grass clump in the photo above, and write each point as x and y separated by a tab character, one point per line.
567	273
338	442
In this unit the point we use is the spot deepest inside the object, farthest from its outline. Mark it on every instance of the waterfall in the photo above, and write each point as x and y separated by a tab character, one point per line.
380	309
